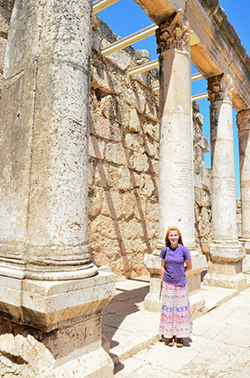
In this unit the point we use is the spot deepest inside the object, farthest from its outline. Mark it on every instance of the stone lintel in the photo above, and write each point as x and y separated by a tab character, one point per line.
49	305
228	253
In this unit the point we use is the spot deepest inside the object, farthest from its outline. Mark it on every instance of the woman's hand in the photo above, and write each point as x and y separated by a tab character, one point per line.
162	268
189	265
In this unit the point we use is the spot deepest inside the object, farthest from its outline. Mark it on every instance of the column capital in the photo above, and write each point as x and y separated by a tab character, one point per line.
243	120
220	88
173	33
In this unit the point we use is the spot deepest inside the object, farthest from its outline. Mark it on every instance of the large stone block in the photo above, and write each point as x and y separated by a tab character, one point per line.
115	153
105	81
111	204
134	141
103	226
134	121
96	147
128	204
139	162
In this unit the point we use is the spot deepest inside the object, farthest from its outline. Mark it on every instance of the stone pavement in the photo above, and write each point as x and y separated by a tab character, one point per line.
219	345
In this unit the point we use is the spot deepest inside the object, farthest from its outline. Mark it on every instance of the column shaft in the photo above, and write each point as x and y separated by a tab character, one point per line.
176	189
224	223
51	297
176	179
226	253
44	126
243	123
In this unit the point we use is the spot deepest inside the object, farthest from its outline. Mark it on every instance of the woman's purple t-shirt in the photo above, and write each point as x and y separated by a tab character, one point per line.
174	273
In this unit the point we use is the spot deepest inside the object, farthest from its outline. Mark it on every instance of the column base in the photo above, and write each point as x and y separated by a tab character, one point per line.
24	355
197	302
225	267
246	264
245	244
153	265
53	329
152	302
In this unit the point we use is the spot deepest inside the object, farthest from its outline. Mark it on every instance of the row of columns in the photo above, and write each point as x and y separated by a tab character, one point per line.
49	285
176	187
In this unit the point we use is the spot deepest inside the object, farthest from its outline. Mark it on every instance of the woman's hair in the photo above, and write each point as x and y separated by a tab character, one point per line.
167	242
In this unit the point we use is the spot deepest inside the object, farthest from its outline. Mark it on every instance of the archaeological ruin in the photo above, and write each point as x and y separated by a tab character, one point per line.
92	133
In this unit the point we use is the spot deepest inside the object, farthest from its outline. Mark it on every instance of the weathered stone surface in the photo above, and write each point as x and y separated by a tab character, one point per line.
101	175
111	204
134	141
4	22
147	185
96	147
151	111
105	81
128	204
115	153
134	121
139	162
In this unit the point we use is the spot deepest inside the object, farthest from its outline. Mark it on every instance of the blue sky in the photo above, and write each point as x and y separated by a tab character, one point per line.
134	18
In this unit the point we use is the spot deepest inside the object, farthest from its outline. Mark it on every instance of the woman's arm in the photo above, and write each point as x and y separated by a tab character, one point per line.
162	268
189	265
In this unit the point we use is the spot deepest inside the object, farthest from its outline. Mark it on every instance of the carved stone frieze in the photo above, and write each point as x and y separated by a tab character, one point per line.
173	33
220	88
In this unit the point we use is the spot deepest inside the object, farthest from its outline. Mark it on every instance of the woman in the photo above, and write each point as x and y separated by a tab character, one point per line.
175	320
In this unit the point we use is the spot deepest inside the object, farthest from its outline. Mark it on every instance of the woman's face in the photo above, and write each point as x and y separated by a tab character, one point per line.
173	237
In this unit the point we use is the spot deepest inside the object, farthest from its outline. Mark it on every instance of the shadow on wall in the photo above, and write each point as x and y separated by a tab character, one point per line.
123	192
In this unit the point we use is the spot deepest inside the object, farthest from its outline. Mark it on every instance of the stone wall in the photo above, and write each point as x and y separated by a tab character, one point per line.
123	160
5	13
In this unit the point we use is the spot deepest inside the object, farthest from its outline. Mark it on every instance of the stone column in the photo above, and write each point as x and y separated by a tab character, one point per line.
48	280
243	123
226	254
176	179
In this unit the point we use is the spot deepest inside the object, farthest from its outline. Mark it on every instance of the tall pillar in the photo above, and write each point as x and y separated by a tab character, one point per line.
176	179
226	254
50	287
243	123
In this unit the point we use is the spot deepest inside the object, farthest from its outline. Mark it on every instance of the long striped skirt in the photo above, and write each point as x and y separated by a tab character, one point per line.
175	311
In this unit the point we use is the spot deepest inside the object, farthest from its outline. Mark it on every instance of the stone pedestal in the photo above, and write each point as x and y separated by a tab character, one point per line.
52	295
176	179
243	123
55	327
226	253
225	265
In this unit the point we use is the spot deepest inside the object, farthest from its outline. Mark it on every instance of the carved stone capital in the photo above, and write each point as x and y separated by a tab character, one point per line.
220	88
243	120
173	33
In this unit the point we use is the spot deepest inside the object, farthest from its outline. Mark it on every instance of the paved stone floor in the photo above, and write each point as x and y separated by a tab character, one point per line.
219	345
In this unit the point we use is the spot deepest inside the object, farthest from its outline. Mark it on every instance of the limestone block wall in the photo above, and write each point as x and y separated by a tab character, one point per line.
123	161
5	13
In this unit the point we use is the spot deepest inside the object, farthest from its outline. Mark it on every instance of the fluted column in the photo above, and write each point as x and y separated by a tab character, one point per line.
51	293
226	254
243	123
176	179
